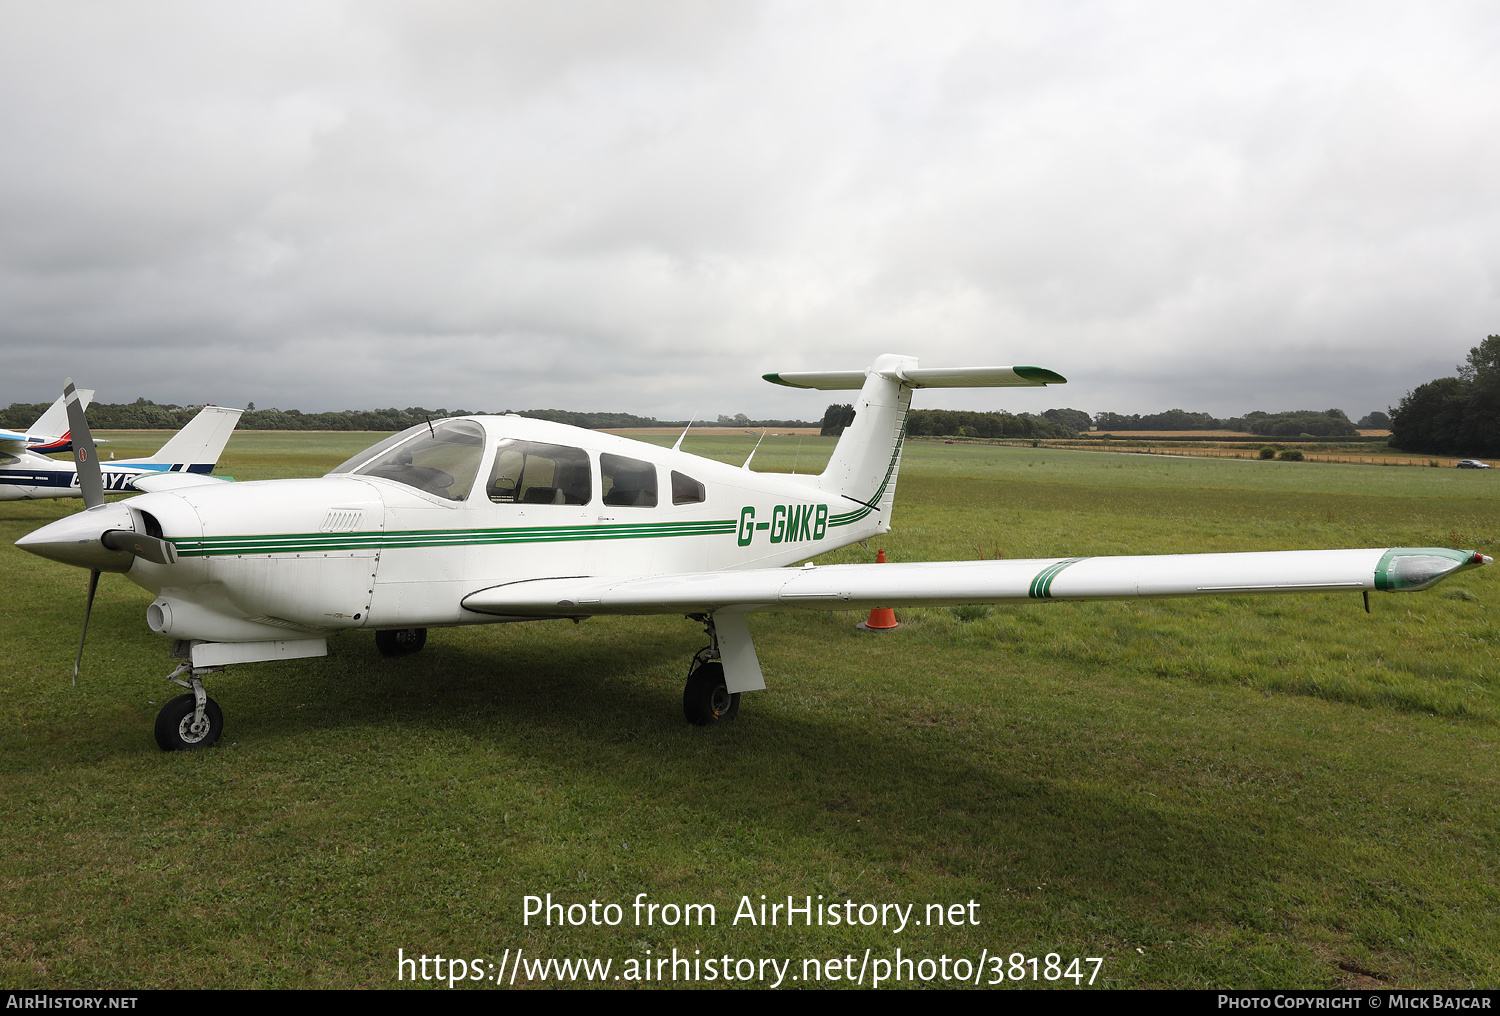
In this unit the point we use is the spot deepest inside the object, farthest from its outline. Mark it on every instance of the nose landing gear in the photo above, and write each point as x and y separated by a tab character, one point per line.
400	641
192	721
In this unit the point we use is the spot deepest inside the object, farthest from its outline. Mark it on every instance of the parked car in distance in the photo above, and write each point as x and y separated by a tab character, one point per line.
1472	464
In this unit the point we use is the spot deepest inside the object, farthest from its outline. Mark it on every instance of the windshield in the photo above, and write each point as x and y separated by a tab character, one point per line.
347	466
441	458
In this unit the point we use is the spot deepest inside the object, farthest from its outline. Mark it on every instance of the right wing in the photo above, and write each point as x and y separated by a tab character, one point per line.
936	583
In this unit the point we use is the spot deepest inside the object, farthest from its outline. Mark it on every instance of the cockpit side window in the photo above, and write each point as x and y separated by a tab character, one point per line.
529	472
629	483
685	489
441	458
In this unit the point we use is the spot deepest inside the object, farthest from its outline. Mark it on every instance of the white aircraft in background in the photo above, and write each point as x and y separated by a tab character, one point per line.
49	433
26	473
488	519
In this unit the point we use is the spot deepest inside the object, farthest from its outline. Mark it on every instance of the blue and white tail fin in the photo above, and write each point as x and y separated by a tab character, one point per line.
196	447
867	457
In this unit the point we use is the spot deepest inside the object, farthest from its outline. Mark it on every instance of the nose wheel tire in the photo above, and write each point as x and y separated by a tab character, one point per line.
178	729
401	641
706	699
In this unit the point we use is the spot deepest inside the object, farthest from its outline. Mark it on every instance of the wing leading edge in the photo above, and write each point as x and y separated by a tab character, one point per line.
938	583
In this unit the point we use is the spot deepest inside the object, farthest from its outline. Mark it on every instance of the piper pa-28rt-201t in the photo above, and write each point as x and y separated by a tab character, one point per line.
487	519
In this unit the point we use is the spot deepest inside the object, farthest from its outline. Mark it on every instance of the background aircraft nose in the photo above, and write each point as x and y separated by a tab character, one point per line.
77	539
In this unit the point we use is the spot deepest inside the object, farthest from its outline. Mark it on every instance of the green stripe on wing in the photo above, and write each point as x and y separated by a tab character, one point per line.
1041	586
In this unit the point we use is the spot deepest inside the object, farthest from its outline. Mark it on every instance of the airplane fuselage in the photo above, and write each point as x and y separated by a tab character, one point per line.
271	559
25	475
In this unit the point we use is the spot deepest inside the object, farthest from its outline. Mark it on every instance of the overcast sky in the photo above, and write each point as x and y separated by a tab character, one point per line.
643	206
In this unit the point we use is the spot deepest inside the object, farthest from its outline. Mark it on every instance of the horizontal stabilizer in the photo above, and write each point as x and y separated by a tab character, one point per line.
937	583
922	377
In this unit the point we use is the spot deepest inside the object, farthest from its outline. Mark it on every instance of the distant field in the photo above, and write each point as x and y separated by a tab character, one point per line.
1233	792
1180	444
699	430
1168	434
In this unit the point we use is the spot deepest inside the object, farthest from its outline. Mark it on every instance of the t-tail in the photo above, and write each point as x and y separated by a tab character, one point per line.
867	458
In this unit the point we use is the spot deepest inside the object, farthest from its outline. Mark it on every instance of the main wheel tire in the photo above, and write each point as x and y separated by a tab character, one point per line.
706	698
401	641
174	724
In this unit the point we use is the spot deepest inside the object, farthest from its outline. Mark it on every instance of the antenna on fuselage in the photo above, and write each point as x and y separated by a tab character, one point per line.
755	449
689	427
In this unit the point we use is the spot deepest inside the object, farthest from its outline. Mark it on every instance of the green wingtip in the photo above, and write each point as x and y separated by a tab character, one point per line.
1041	375
1414	568
775	379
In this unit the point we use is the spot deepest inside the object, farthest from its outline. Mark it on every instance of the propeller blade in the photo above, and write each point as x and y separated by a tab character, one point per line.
88	609
85	455
152	548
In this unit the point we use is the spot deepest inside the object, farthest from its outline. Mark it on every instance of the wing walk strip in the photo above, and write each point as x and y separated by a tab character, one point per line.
303	543
1041	586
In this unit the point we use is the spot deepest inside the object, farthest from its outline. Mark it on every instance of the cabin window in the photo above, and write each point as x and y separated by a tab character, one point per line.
529	472
439	458
629	483
685	489
8	460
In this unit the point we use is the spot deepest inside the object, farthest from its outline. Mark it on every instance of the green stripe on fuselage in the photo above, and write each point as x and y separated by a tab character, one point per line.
304	543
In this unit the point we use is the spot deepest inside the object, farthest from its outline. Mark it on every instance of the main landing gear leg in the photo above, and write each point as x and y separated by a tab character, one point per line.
192	721
706	698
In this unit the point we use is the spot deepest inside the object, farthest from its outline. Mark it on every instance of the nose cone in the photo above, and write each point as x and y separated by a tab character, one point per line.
76	540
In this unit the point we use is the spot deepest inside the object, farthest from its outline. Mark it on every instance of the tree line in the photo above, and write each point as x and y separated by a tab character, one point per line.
1443	415
1072	422
1454	415
143	414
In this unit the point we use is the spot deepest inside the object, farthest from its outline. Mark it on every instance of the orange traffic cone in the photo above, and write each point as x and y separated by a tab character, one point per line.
881	618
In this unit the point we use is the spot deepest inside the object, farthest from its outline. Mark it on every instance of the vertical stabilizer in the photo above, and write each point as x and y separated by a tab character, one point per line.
866	459
53	424
197	447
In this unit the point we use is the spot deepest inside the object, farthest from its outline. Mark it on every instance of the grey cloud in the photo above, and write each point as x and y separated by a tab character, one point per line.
643	207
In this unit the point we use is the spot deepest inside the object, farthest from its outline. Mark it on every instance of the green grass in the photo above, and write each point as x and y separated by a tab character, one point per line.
1236	792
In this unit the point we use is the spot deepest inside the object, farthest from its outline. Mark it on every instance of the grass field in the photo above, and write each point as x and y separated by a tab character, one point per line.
1234	792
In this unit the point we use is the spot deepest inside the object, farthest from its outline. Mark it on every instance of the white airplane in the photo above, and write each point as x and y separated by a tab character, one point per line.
488	519
27	474
49	433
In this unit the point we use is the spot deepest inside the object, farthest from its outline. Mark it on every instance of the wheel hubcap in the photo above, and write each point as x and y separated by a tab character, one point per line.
190	732
720	701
